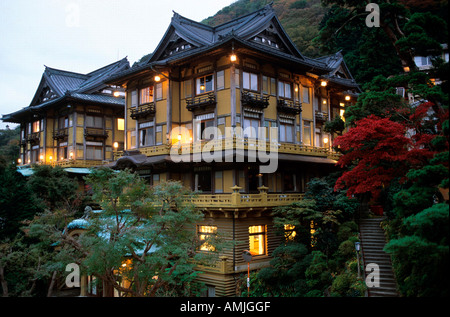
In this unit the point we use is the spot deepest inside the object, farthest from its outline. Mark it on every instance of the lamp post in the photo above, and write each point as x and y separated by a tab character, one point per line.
247	258
357	247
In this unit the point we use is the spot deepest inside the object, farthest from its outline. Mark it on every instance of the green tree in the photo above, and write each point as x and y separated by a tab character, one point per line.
143	242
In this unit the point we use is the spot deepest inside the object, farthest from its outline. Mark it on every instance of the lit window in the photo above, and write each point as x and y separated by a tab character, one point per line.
312	232
120	124
204	84
289	232
205	233
36	126
257	240
146	95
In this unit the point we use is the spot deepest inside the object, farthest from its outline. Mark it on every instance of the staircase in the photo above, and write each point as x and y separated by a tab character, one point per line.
372	244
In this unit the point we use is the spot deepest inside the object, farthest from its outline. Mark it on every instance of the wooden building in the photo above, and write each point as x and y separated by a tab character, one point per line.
74	120
241	74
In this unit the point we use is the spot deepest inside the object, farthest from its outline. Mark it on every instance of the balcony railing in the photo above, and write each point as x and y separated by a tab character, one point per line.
60	134
235	199
77	163
201	101
96	133
236	143
253	100
321	116
143	111
289	106
32	137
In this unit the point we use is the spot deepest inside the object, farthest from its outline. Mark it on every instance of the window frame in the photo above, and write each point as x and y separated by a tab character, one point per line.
263	235
198	84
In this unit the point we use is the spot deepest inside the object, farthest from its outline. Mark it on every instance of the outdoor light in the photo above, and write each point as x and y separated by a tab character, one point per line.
19	161
116	145
324	102
50	157
41	157
202	87
116	93
157	78
179	137
357	246
71	155
347	97
325	140
233	57
406	69
323	83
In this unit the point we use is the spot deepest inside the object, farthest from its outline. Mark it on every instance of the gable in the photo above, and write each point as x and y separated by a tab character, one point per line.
46	94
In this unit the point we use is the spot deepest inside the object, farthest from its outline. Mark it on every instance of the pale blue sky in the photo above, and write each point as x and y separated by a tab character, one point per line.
80	36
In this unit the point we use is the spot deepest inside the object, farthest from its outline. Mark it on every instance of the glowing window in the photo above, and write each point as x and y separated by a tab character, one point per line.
205	234
257	240
120	124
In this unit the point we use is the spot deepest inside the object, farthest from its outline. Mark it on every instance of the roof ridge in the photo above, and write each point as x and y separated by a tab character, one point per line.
107	66
56	71
267	7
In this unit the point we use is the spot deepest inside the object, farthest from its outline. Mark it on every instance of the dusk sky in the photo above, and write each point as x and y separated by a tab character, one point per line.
80	36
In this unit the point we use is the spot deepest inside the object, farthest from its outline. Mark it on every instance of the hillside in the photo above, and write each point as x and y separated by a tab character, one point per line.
300	19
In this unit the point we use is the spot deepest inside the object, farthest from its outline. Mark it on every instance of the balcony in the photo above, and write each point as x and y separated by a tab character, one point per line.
253	100
321	116
95	133
201	102
77	163
33	137
289	106
143	111
236	143
61	134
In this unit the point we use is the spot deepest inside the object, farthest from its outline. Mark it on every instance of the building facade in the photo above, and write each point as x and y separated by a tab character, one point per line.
74	120
236	113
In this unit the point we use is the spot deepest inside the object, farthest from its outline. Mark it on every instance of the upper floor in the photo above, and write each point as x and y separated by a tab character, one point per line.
74	120
242	78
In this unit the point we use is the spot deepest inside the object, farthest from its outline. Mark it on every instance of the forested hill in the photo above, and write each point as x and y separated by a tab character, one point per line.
300	19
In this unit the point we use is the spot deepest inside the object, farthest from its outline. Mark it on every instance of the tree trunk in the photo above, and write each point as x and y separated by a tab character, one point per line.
52	283
3	282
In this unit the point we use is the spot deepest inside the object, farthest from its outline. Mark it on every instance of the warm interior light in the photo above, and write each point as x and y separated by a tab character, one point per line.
116	94
347	97
324	102
179	137
202	87
233	57
323	83
50	157
157	78
116	145
406	69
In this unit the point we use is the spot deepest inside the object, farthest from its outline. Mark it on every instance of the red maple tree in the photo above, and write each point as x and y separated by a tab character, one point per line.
377	150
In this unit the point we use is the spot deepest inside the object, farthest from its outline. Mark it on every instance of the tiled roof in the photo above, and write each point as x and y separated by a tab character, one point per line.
70	85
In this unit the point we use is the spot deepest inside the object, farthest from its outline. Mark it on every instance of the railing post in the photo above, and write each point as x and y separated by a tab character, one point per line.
263	192
235	195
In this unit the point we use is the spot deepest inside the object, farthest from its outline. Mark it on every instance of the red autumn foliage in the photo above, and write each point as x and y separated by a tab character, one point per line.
377	150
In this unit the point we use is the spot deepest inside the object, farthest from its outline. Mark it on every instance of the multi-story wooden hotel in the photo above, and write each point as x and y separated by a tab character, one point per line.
74	120
241	74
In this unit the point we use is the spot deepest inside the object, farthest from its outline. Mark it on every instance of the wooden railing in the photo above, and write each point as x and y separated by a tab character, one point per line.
61	133
250	99
236	143
201	101
95	132
143	111
237	199
289	106
77	163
